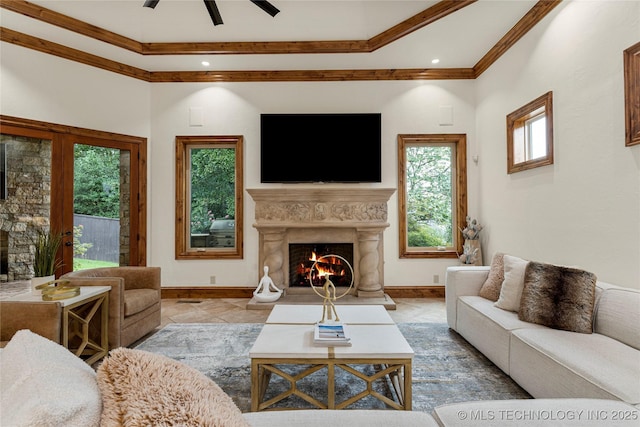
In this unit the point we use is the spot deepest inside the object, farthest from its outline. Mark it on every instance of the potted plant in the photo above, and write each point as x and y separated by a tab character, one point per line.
45	263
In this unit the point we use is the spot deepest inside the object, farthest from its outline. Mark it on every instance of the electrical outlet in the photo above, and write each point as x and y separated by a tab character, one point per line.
212	280
436	278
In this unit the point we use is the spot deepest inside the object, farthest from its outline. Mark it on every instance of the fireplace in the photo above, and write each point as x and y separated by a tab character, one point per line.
330	259
323	216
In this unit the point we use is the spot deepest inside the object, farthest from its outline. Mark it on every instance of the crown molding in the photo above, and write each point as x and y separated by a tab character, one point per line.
432	14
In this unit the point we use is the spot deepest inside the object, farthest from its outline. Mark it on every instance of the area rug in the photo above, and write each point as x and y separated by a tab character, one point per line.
446	369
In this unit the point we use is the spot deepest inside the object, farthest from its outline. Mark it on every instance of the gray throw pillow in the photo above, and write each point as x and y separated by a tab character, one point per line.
558	297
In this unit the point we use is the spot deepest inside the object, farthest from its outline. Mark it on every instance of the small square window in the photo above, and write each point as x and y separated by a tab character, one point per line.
530	135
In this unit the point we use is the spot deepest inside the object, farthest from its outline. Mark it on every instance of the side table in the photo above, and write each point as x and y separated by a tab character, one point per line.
83	331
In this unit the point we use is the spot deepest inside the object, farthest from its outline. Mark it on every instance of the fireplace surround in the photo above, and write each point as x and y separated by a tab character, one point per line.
358	216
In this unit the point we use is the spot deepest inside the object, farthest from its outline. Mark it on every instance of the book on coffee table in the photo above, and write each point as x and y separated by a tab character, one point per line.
331	334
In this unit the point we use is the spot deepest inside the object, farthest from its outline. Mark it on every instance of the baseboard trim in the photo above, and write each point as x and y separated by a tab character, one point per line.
176	292
415	291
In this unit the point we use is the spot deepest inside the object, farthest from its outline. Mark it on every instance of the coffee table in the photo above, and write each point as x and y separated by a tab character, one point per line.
287	339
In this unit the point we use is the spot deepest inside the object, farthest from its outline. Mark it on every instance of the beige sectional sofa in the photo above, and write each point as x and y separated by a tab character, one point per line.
549	362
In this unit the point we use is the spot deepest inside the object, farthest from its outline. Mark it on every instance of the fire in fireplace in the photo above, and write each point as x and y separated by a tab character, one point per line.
302	257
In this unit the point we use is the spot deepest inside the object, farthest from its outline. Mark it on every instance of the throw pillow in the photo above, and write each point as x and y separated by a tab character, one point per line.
142	389
44	384
558	297
511	288
491	287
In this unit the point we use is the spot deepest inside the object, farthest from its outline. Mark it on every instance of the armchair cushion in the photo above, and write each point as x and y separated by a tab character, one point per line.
41	318
137	300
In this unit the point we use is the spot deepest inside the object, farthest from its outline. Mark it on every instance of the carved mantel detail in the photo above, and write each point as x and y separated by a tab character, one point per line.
334	215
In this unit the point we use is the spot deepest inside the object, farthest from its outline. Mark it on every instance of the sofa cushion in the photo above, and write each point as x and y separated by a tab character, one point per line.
141	389
351	418
491	287
488	328
137	300
537	412
558	297
617	315
44	384
513	283
556	363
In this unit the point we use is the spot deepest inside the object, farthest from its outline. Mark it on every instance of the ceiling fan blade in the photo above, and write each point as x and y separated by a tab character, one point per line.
214	13
151	3
266	6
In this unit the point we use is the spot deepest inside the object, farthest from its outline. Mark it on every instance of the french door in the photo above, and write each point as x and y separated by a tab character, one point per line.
97	194
99	207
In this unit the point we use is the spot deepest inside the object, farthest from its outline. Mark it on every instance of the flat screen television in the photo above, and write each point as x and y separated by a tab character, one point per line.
342	148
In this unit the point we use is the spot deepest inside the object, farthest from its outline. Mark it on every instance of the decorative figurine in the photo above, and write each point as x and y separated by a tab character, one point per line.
263	292
328	293
328	288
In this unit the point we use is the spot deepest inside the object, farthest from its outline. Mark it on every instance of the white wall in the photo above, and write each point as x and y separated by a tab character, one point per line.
234	109
584	210
50	89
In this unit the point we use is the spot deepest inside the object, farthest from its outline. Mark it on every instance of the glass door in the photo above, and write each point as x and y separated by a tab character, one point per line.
102	187
90	186
101	232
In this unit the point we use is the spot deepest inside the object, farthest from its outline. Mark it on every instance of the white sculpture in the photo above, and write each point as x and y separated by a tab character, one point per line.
267	291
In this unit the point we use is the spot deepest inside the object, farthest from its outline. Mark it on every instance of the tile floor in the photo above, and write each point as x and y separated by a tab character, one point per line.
233	310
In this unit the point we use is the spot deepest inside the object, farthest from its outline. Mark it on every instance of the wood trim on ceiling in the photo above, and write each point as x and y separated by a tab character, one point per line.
522	27
61	51
426	17
429	15
311	75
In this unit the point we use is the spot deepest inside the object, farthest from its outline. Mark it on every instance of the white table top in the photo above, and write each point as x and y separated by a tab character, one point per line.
310	314
85	293
374	341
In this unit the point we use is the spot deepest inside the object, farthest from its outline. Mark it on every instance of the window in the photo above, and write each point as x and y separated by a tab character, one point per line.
432	194
632	94
209	198
530	135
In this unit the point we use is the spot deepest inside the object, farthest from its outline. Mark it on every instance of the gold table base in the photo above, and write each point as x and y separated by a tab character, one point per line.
397	370
83	333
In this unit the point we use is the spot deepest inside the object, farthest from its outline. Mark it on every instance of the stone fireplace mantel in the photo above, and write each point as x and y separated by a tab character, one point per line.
323	215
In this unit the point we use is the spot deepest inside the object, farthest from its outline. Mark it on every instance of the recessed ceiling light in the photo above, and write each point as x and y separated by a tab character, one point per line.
435	61
205	63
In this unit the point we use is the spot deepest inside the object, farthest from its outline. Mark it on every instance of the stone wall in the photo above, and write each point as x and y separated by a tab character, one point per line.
27	206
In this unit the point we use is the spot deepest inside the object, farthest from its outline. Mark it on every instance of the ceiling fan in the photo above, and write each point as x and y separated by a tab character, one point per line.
214	13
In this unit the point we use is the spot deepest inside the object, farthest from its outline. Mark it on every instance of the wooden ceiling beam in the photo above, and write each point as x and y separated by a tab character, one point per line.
437	11
522	27
68	23
253	48
61	51
311	75
422	19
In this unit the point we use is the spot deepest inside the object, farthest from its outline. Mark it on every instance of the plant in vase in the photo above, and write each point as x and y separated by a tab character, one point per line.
45	263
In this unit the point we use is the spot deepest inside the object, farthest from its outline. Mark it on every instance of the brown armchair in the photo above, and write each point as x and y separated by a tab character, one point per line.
42	319
134	299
